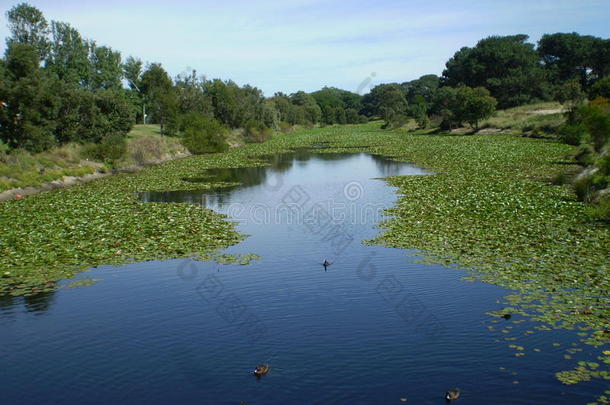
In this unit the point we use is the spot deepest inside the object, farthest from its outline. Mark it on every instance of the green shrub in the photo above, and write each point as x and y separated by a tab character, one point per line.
572	134
256	132
601	210
110	149
396	121
585	155
603	164
3	147
202	134
587	183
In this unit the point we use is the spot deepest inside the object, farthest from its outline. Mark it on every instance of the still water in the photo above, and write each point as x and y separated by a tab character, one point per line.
374	327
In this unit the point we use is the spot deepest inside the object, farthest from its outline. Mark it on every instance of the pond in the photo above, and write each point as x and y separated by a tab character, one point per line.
376	326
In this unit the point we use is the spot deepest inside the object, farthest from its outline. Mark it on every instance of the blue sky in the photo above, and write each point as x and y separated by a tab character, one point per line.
307	44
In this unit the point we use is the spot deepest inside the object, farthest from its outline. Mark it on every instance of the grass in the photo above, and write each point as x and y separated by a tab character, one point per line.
528	118
20	169
145	130
491	208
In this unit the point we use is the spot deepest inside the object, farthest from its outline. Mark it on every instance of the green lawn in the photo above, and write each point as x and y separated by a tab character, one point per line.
144	130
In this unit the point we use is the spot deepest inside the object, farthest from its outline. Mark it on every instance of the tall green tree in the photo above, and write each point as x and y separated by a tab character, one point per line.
30	115
223	96
68	58
473	105
191	94
158	89
132	71
571	56
391	103
508	66
28	25
107	69
425	87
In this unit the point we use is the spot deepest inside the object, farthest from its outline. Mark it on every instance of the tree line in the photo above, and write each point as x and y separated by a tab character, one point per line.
58	87
499	71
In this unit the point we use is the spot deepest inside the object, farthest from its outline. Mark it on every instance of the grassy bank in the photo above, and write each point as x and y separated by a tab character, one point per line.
534	119
20	169
490	207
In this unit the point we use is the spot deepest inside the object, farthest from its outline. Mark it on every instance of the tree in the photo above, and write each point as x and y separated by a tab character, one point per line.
28	25
68	58
473	105
334	97
443	105
329	116
158	88
202	134
425	87
311	110
372	101
224	100
107	69
391	104
571	95
132	71
191	94
250	102
32	103
351	116
418	110
508	66
569	57
596	120
601	88
340	116
79	117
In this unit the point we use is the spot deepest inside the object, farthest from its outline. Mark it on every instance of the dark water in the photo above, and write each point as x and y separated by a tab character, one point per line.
372	328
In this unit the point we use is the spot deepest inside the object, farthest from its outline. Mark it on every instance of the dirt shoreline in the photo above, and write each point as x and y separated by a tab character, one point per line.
68	181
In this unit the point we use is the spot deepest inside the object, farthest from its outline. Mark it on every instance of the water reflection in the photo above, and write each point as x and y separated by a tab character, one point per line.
37	304
227	181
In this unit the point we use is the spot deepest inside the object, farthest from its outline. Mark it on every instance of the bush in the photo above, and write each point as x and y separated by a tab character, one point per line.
572	134
201	134
601	210
396	121
286	127
588	183
585	155
603	164
109	150
256	132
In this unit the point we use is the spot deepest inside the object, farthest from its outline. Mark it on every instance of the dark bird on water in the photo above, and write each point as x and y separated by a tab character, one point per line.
452	394
261	370
326	263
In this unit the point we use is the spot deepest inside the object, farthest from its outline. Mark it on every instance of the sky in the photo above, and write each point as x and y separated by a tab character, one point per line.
296	45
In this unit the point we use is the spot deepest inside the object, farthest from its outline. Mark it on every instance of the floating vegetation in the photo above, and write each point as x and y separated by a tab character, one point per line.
490	208
83	283
226	258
